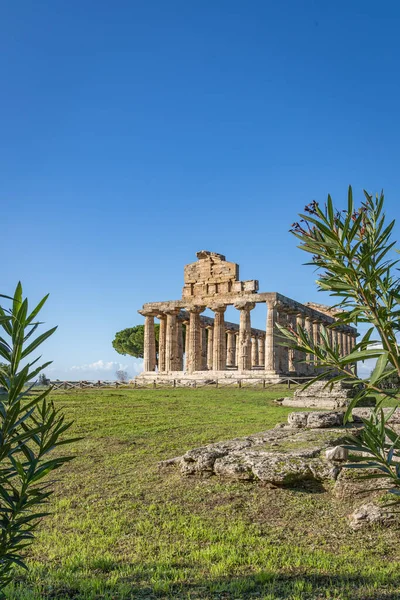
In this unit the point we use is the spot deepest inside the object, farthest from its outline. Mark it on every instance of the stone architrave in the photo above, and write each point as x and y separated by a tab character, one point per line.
230	349
244	359
261	351
219	342
210	337
149	349
254	352
161	342
171	341
194	362
271	358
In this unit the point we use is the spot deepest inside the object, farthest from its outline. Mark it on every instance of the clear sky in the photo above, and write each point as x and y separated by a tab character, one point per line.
134	134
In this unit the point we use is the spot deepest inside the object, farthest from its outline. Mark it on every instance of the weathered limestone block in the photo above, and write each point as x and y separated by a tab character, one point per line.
325	419
350	485
337	453
280	456
233	466
297	419
370	514
360	413
316	420
320	395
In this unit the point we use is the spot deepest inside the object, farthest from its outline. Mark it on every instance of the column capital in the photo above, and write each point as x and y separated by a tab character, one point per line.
148	312
243	305
194	308
220	308
172	311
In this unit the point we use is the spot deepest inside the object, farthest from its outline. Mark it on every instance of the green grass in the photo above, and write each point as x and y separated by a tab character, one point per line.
122	529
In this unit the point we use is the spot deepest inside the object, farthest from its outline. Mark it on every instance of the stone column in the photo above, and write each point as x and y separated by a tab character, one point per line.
219	345
194	362
271	359
179	332
171	341
330	335
342	342
230	349
237	349
210	336
261	351
244	359
300	357
282	351
186	324
161	343
316	338
291	324
336	338
203	349
149	348
348	343
309	357
254	352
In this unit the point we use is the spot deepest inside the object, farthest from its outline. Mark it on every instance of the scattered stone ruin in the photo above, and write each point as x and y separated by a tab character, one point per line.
321	395
217	348
310	447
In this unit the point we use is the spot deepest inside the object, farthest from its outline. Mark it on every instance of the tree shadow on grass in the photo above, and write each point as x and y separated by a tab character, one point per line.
262	585
276	587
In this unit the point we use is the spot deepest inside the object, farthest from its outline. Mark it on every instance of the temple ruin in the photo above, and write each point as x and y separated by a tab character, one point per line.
217	348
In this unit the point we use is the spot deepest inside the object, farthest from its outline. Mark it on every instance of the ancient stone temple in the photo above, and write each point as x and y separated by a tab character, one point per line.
216	348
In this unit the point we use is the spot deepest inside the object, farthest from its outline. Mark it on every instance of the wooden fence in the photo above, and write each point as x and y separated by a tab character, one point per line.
179	383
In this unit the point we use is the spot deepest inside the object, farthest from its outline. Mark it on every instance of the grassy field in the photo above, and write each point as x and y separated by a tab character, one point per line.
122	529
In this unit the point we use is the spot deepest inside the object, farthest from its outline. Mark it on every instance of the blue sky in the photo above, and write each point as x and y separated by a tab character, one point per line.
134	134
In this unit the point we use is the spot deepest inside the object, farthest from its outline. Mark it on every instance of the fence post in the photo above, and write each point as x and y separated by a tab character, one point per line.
65	385
216	383
154	384
263	384
174	382
240	383
288	384
194	383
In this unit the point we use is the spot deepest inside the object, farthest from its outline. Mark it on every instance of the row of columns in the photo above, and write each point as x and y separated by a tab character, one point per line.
218	349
